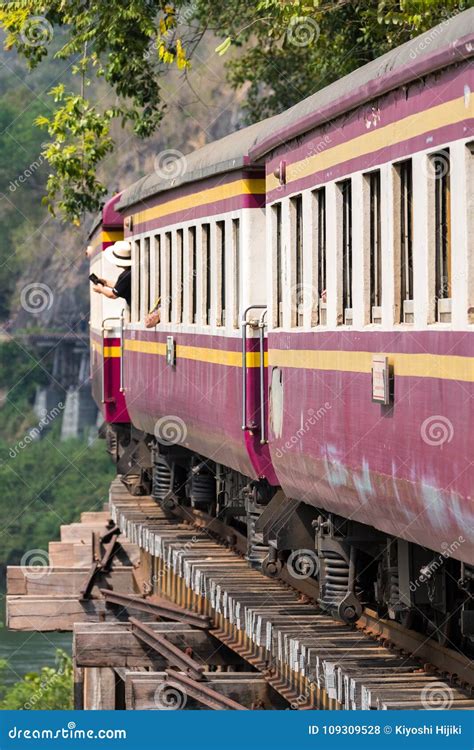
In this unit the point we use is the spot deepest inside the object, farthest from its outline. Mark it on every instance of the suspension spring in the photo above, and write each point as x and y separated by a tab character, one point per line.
203	488
393	586
335	583
162	479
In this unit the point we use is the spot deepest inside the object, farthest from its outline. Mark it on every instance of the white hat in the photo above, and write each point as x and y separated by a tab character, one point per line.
120	254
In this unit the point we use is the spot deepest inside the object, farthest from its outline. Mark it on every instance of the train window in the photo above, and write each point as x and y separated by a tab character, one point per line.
278	266
155	271
179	274
169	278
404	241
236	261
192	274
135	312
440	171
145	278
470	228
375	248
296	224
345	225
319	197
221	273
206	262
161	274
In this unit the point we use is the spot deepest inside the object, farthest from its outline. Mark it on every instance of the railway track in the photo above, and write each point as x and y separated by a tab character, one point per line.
310	659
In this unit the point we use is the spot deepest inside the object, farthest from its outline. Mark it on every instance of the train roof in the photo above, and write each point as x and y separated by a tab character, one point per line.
225	155
449	42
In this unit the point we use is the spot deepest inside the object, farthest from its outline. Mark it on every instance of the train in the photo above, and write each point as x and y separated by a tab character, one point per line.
310	381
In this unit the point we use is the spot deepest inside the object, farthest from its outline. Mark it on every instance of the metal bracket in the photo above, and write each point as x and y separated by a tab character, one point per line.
111	546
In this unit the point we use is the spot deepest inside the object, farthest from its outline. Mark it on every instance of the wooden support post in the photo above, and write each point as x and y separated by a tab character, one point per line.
78	687
99	689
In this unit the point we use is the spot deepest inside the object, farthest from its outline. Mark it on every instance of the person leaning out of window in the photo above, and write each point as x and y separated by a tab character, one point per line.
120	254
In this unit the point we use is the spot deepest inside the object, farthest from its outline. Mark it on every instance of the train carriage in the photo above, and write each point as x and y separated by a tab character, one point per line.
311	377
194	238
105	320
370	197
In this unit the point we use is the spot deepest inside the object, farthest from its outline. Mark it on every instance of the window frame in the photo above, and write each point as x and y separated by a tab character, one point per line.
206	266
344	226
220	235
236	269
277	263
319	212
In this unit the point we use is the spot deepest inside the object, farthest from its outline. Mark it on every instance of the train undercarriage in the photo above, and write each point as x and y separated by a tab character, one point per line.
347	566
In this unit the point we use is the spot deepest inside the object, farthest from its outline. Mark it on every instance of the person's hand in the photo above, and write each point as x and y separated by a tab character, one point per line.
97	288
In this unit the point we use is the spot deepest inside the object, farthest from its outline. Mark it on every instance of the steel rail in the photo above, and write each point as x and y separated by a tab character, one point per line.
168	650
202	692
158	607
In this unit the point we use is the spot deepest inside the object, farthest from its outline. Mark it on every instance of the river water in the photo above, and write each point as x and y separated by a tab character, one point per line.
28	651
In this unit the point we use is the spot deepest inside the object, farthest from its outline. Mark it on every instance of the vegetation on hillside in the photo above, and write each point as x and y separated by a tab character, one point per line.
288	49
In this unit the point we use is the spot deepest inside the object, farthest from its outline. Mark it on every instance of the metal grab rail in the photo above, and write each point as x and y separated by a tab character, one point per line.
262	325
246	323
122	323
108	320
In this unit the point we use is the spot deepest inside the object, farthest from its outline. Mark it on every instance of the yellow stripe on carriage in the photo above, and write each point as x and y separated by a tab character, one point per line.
112	236
442	366
251	186
108	351
401	130
197	353
111	351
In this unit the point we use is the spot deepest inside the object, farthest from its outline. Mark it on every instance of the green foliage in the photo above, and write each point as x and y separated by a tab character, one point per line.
48	690
127	44
45	484
81	140
22	172
292	48
287	49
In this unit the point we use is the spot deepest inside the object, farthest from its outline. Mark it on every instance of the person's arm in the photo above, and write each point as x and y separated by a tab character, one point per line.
104	290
